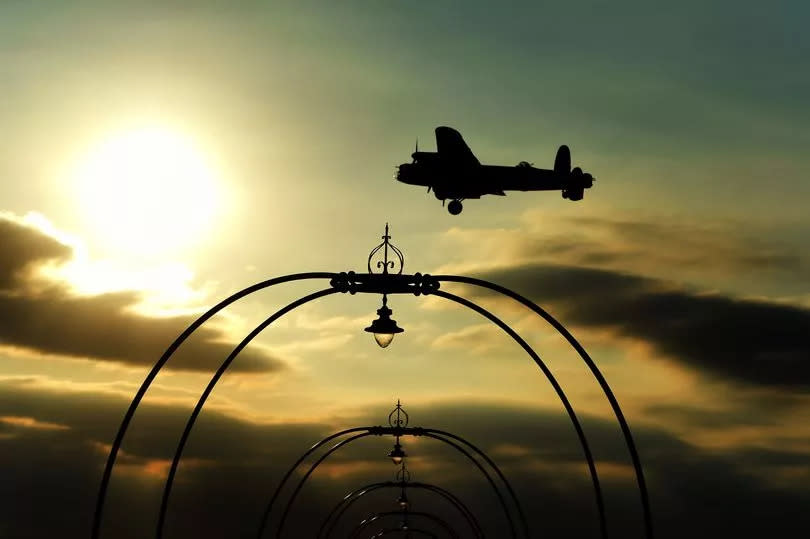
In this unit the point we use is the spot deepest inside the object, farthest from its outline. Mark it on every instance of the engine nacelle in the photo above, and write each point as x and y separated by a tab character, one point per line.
573	194
577	182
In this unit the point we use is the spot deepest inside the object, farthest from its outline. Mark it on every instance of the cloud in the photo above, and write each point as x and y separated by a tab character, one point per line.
45	317
758	342
720	255
754	414
232	466
30	423
478	338
22	249
708	246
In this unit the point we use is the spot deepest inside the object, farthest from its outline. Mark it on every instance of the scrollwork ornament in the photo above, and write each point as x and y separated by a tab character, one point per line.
386	257
398	418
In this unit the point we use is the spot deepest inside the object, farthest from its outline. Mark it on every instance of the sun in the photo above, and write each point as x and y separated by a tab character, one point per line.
147	192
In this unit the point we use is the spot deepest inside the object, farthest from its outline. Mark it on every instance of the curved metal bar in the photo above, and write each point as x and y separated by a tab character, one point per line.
371	431
418	531
614	403
347	501
306	476
328	524
167	488
292	469
469	515
495	467
430	516
600	505
119	437
472	459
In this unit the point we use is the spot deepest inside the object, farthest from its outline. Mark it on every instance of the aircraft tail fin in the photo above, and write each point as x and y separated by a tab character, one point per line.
562	163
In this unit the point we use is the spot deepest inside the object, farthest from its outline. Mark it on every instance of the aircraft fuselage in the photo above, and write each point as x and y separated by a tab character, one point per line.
453	182
454	173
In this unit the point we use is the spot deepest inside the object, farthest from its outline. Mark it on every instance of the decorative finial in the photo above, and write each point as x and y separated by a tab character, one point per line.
380	260
401	419
403	475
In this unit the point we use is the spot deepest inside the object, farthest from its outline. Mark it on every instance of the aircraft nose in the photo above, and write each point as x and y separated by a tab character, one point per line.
403	173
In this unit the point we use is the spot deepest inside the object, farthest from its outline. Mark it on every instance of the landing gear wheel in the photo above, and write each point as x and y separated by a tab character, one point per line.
455	207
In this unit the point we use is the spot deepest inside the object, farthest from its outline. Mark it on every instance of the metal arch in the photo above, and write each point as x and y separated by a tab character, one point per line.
349	440
337	512
560	393
303	480
389	531
303	457
614	403
295	466
492	465
119	437
430	516
167	487
378	431
353	283
491	482
342	506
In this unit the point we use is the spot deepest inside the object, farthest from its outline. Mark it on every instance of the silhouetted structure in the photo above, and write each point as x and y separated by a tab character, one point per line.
455	174
386	284
403	484
398	427
406	515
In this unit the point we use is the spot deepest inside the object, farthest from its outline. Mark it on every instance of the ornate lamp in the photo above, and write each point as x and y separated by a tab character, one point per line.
397	454
402	500
384	327
403	476
398	418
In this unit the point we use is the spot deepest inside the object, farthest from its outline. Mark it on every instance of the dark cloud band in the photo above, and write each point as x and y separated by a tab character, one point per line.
754	341
47	318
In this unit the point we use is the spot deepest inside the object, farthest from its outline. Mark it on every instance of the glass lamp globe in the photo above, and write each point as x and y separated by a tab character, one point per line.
384	327
397	454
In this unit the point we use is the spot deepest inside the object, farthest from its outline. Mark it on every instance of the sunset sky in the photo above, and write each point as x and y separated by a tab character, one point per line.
156	157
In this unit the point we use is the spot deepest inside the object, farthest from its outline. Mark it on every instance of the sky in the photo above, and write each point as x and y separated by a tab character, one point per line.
156	157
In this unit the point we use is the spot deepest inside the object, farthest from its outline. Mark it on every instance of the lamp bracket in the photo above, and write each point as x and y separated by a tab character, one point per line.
417	284
380	430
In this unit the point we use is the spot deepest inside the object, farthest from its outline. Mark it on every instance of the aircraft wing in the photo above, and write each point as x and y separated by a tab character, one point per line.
452	148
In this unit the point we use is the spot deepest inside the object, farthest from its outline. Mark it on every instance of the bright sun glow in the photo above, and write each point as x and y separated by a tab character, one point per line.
147	191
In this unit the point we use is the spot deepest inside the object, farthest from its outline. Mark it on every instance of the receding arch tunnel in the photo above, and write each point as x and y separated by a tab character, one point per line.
352	283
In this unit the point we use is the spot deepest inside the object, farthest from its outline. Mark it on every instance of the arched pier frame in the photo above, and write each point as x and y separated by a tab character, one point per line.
365	523
406	532
378	283
358	433
328	524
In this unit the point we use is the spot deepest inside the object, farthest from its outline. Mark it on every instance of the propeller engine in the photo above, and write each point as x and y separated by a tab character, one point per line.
577	182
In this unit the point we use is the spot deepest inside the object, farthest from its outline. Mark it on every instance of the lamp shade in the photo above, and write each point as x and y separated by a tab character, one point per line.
397	454
384	327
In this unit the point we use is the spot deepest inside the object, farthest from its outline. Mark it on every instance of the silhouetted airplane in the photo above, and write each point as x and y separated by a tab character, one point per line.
454	173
